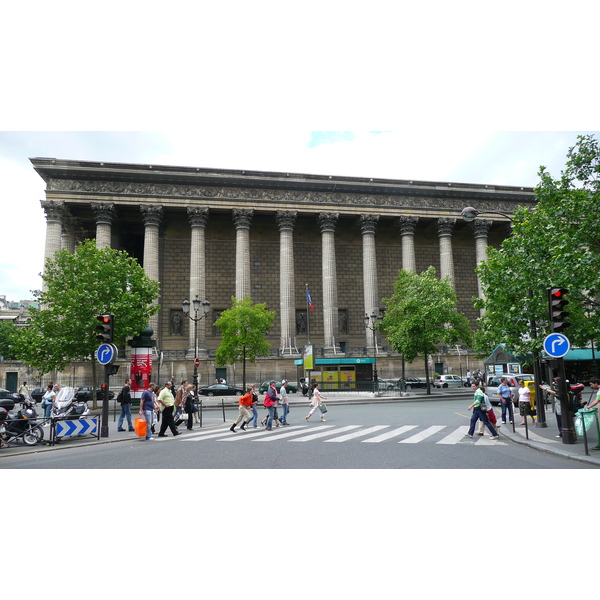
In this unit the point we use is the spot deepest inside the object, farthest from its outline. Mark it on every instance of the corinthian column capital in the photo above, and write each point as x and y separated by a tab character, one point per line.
197	216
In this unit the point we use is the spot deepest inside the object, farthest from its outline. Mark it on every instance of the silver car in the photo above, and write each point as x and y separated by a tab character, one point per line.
448	381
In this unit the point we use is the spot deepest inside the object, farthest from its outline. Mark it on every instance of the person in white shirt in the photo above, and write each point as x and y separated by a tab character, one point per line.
524	402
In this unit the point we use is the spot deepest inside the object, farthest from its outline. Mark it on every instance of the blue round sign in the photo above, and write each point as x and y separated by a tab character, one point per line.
557	345
106	354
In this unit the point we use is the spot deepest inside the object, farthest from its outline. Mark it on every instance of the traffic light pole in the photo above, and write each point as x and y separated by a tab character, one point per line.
104	423
568	431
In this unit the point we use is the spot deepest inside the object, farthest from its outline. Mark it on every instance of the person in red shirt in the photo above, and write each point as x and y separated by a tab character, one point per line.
244	415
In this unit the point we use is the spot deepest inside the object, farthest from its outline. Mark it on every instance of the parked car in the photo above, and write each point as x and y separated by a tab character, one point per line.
38	394
84	394
291	389
411	383
220	389
493	381
448	381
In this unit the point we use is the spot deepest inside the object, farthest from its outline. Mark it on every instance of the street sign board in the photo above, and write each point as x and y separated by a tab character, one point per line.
556	345
107	354
196	362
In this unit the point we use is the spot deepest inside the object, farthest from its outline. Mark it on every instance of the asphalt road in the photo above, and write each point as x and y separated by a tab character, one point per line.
421	435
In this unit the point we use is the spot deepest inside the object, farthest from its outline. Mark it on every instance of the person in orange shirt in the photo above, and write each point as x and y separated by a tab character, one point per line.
244	416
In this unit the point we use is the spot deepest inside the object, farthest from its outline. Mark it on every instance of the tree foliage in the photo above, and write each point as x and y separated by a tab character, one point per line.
555	244
243	328
422	314
79	287
9	334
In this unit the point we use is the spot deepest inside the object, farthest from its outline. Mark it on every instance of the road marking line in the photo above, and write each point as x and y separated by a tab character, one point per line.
455	436
390	434
535	437
422	435
356	434
277	436
314	436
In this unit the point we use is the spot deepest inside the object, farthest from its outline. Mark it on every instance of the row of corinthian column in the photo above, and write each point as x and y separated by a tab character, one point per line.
62	233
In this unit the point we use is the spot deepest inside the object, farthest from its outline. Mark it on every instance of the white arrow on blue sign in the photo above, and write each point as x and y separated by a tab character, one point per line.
556	345
106	354
81	427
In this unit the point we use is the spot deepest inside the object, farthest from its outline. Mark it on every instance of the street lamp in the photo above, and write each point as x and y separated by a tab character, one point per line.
371	323
469	214
197	304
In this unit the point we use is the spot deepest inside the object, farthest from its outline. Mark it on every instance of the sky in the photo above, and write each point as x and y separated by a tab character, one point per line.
487	157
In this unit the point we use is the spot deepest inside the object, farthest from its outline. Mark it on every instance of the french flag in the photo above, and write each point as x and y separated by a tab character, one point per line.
309	301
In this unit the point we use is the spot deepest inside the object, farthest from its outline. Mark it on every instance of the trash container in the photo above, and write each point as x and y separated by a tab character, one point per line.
584	418
531	385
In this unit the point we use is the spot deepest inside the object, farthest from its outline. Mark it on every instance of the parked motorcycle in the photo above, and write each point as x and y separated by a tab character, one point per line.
23	425
303	386
66	405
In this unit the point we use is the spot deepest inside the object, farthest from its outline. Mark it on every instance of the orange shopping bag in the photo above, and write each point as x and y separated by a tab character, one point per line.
140	427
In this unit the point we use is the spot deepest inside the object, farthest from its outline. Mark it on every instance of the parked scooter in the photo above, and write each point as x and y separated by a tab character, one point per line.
23	425
66	405
303	386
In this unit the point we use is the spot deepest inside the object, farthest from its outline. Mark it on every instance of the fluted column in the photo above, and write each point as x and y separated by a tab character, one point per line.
480	230
242	219
54	213
71	228
445	227
368	223
104	213
198	218
327	222
407	227
286	221
152	216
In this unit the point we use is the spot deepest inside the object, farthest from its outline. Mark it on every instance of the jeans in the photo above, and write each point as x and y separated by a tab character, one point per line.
477	415
148	415
125	412
286	410
254	419
47	410
507	403
272	415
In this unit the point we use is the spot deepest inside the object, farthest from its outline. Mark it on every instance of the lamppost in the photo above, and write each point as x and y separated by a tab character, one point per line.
371	323
469	214
197	303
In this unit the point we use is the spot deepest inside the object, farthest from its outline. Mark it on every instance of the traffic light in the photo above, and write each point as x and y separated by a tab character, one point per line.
104	392
105	328
556	309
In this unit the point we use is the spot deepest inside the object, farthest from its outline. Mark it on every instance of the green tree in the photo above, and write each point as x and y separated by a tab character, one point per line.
243	328
9	334
79	287
555	244
422	314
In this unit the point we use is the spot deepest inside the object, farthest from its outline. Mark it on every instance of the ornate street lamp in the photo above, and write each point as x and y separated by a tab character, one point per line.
371	323
197	304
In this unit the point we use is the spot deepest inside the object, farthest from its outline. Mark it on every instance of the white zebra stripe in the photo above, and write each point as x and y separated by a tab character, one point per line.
350	436
390	434
419	437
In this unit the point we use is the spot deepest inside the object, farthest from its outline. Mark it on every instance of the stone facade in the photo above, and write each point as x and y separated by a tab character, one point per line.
218	234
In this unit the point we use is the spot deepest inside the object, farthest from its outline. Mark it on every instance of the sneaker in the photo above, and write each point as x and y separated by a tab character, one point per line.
148	439
322	419
493	437
468	435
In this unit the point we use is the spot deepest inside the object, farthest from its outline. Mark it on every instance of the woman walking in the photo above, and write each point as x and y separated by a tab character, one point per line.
524	402
187	401
317	401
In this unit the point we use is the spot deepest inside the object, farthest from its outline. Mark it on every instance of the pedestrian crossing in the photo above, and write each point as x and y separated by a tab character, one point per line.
406	434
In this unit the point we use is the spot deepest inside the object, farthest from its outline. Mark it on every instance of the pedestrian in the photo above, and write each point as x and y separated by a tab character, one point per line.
147	409
285	402
489	411
316	402
557	405
480	413
524	402
188	404
244	414
166	404
468	378
254	419
47	401
595	385
270	404
179	394
124	398
25	390
506	400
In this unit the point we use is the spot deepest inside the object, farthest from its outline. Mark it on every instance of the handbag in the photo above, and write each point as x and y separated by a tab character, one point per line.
323	407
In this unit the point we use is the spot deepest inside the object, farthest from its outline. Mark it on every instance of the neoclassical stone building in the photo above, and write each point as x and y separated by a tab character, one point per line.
220	233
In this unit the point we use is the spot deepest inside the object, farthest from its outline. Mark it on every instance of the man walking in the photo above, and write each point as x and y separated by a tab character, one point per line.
506	400
244	416
167	403
479	412
285	403
147	409
124	398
